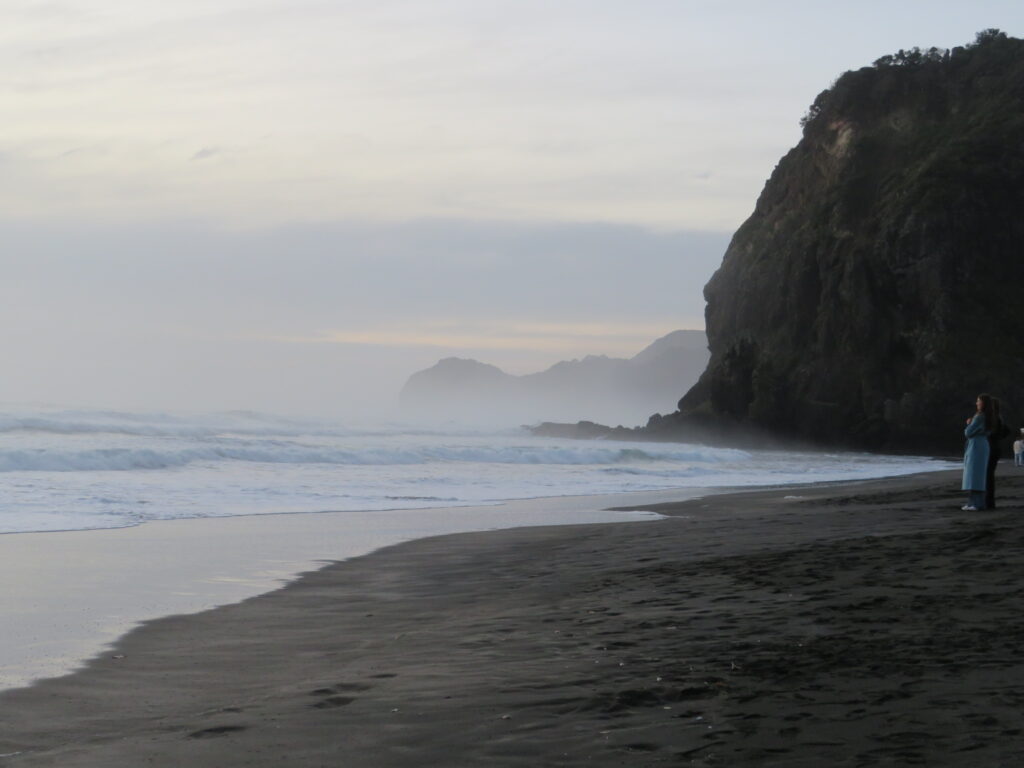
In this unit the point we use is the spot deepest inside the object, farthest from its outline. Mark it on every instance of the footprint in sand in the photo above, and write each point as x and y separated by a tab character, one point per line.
330	697
640	746
220	730
333	702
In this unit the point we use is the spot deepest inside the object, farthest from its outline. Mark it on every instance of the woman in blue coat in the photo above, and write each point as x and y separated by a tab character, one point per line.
976	454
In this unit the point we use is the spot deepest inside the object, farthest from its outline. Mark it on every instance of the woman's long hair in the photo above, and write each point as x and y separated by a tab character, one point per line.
988	410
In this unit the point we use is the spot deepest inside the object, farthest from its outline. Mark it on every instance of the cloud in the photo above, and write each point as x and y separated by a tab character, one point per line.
196	304
206	152
623	339
583	110
472	114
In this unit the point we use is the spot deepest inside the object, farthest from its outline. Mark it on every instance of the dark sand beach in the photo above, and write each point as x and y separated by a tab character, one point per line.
846	625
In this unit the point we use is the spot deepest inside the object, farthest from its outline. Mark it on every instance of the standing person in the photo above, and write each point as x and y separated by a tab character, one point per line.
1018	450
976	454
997	433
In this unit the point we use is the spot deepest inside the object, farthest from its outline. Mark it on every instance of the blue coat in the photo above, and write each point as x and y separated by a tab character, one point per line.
975	455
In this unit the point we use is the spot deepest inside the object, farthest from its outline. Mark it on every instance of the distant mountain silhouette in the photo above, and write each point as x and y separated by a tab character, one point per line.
596	387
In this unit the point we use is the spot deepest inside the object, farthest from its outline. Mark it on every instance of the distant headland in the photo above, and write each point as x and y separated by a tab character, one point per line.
625	390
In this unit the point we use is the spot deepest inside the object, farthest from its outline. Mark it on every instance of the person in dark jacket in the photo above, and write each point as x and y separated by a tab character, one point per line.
997	433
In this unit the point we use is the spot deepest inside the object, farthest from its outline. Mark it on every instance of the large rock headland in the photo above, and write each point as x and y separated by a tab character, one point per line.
878	286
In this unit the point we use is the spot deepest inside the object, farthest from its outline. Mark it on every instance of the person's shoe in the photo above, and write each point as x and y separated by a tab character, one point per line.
969	508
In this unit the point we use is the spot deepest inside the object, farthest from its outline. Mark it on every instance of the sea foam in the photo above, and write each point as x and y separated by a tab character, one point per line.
83	469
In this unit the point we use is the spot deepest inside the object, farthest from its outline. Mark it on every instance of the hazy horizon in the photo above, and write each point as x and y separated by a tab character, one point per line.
291	207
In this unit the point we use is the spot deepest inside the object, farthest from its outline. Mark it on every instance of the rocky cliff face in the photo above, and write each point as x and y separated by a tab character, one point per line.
878	286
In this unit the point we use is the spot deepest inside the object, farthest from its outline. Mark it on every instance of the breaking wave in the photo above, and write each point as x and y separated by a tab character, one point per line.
68	469
287	452
162	425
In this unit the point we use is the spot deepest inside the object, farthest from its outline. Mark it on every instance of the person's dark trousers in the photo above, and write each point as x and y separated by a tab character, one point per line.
990	474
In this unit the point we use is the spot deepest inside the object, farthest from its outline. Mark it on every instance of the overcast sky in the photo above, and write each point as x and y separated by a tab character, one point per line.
291	206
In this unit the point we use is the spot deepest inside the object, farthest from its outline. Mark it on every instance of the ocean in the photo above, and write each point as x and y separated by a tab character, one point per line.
63	469
118	518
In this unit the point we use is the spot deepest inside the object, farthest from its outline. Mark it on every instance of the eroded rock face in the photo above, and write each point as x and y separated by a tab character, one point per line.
878	286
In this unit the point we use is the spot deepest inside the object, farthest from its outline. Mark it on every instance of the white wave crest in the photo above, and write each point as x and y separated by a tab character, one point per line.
289	452
241	423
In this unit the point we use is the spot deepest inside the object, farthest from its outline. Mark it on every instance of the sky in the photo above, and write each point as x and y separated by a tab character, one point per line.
292	206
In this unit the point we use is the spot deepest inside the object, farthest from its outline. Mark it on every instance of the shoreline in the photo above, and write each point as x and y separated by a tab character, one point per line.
561	500
70	594
59	618
864	624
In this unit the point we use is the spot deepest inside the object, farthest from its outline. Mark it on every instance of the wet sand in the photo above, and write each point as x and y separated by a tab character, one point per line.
67	595
845	625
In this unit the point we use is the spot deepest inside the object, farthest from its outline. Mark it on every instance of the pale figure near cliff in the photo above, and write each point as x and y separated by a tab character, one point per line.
976	454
